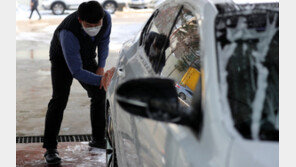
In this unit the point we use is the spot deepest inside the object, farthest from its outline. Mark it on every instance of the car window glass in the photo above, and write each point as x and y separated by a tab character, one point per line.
189	92
146	29
249	72
155	35
183	55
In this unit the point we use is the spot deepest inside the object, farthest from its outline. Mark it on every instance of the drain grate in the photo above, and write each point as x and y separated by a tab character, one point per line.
62	138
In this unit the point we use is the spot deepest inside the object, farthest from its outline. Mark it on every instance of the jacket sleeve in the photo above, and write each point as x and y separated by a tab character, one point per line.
71	51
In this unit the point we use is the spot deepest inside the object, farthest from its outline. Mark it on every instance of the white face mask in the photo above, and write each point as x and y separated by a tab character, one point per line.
92	31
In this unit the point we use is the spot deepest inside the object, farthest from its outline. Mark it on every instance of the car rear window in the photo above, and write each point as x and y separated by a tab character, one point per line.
248	58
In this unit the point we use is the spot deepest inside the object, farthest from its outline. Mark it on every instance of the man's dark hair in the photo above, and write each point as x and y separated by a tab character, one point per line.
160	41
91	12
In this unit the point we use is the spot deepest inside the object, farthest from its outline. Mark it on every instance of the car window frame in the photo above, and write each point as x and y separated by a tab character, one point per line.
187	7
197	99
145	29
170	32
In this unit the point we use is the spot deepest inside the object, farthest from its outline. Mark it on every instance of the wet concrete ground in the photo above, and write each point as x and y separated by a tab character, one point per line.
33	82
72	154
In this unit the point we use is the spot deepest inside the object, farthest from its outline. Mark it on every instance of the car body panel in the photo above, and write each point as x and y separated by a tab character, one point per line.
138	3
145	130
145	142
252	152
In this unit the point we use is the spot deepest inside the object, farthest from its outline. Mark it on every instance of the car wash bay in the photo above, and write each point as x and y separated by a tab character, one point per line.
33	86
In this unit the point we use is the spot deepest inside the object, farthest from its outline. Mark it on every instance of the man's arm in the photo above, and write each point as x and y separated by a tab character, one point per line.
71	51
103	46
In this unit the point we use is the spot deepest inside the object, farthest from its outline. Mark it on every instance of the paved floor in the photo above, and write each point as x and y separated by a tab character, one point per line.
72	154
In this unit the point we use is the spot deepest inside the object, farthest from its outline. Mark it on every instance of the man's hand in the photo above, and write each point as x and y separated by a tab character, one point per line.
106	79
100	71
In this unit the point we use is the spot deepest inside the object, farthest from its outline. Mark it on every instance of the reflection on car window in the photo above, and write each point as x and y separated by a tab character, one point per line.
190	92
248	54
153	49
155	35
183	55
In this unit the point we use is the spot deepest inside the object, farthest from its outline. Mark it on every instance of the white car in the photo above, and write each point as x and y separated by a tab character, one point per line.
138	3
184	93
233	118
155	3
59	6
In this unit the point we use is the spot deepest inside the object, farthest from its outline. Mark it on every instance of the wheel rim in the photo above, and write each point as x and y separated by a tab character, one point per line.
182	96
110	7
58	8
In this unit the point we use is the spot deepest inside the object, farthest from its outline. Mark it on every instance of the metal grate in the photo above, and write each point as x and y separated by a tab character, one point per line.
62	138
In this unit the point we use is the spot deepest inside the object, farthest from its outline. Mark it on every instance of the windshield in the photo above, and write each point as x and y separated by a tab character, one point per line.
248	59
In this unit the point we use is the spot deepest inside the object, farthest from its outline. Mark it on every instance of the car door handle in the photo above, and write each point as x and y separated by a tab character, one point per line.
120	72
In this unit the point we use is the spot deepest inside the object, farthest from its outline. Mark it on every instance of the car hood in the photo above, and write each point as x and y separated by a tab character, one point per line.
246	153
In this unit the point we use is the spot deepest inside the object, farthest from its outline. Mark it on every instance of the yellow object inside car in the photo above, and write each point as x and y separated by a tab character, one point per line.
190	78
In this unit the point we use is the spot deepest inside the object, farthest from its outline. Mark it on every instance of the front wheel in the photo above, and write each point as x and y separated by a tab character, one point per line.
182	96
111	159
110	6
58	8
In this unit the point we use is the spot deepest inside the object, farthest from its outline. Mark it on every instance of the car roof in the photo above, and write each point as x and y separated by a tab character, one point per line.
236	1
232	4
210	8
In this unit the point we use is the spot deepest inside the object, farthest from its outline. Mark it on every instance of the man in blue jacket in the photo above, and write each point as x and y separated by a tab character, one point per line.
34	5
73	55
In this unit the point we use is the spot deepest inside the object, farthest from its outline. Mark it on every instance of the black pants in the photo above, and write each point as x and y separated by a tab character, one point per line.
61	83
32	10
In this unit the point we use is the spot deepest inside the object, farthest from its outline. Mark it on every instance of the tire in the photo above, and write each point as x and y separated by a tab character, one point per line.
182	96
111	158
110	6
58	8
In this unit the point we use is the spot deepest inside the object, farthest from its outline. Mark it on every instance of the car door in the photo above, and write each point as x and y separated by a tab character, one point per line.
171	46
168	144
183	65
136	64
128	67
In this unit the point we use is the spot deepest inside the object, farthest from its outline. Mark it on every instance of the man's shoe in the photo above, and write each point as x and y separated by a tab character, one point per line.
52	156
98	144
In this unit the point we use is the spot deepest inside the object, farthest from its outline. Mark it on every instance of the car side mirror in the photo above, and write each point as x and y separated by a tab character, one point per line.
153	98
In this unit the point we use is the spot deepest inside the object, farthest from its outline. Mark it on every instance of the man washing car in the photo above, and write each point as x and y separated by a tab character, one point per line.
73	55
